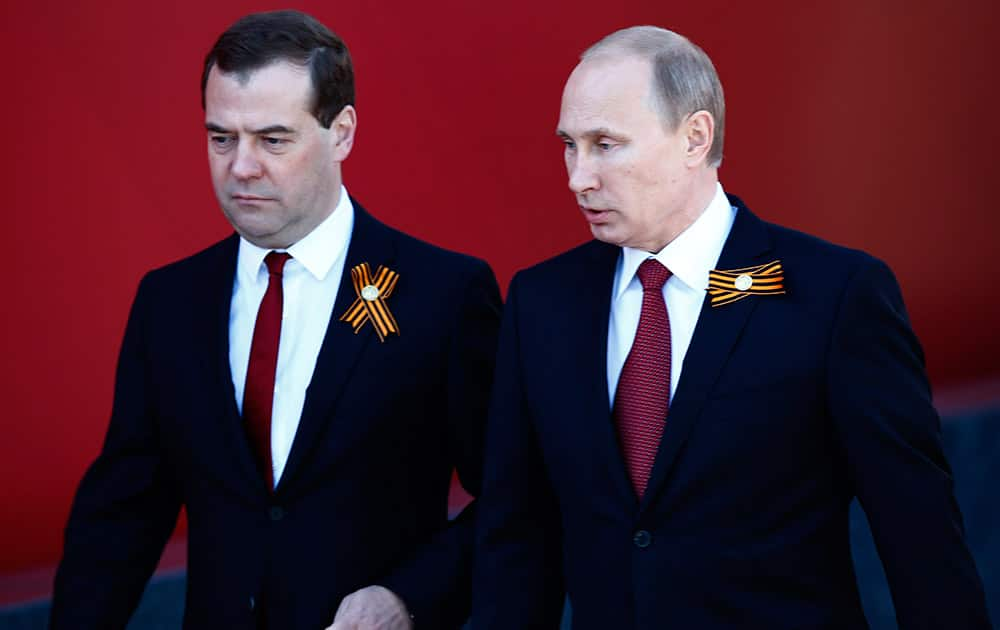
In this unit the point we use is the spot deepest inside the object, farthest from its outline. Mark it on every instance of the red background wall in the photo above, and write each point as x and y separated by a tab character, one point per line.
868	122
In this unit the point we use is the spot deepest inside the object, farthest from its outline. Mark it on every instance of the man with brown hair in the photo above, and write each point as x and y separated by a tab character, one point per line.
304	388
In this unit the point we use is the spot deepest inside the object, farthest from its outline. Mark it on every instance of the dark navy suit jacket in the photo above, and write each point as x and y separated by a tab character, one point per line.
788	406
363	497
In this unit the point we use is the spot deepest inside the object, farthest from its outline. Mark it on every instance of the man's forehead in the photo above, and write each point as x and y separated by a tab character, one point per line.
242	76
280	77
611	71
606	90
279	90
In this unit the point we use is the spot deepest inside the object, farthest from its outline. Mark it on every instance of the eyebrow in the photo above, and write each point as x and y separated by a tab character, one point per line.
593	133
263	131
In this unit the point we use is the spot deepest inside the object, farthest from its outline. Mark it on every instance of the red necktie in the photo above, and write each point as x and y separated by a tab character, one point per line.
643	394
258	394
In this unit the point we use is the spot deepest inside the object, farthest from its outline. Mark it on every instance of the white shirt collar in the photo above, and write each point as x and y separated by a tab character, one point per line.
692	254
316	251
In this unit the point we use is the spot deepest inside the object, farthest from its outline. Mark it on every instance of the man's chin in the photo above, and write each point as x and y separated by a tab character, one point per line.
605	233
263	236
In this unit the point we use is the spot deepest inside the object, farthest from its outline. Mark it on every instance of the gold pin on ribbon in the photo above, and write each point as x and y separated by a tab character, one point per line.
732	285
372	292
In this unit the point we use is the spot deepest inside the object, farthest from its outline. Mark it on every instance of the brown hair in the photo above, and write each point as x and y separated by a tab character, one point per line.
260	39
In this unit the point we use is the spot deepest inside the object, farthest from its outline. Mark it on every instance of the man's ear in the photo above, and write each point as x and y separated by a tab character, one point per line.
699	131
342	132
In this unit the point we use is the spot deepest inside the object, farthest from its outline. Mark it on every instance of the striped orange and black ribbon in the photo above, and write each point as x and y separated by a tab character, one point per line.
724	284
375	308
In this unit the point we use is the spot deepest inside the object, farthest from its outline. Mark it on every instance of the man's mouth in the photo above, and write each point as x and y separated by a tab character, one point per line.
594	215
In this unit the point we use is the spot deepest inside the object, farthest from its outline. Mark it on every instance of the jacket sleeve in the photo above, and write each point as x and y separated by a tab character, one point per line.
518	573
881	407
126	505
435	582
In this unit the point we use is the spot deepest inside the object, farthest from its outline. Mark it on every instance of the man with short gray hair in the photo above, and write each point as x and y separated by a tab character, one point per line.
684	407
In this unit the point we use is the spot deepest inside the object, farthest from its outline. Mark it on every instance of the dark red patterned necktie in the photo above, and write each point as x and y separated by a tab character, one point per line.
643	394
258	394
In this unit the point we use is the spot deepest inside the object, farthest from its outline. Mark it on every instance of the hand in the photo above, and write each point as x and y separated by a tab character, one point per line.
372	608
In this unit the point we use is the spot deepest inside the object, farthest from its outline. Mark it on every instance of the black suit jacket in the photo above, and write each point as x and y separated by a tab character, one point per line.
788	406
363	497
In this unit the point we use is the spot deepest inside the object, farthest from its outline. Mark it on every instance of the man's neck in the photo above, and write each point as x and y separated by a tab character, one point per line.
701	191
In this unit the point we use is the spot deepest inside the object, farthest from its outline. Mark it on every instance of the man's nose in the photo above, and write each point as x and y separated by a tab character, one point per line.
582	175
246	165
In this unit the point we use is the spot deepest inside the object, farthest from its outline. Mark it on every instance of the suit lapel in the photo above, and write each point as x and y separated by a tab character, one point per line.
213	331
715	335
371	242
588	364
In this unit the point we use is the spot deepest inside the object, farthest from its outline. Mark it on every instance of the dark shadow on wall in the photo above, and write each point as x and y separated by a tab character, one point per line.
161	608
972	443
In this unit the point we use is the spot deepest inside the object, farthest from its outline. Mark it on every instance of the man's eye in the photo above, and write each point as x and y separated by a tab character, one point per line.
221	141
274	142
604	146
569	144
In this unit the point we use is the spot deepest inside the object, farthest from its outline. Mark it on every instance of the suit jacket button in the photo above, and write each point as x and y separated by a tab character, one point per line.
277	513
642	539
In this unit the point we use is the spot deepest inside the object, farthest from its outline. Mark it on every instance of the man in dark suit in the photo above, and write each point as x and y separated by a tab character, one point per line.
304	388
685	407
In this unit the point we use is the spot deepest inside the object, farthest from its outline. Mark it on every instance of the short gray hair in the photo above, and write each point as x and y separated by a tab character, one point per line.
685	78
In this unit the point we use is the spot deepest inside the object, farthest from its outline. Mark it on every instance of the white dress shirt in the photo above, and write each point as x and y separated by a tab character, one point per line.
310	282
689	257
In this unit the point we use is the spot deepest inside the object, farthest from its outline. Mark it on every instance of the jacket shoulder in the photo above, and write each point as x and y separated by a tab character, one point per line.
210	261
817	267
800	246
570	264
413	248
794	243
199	261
